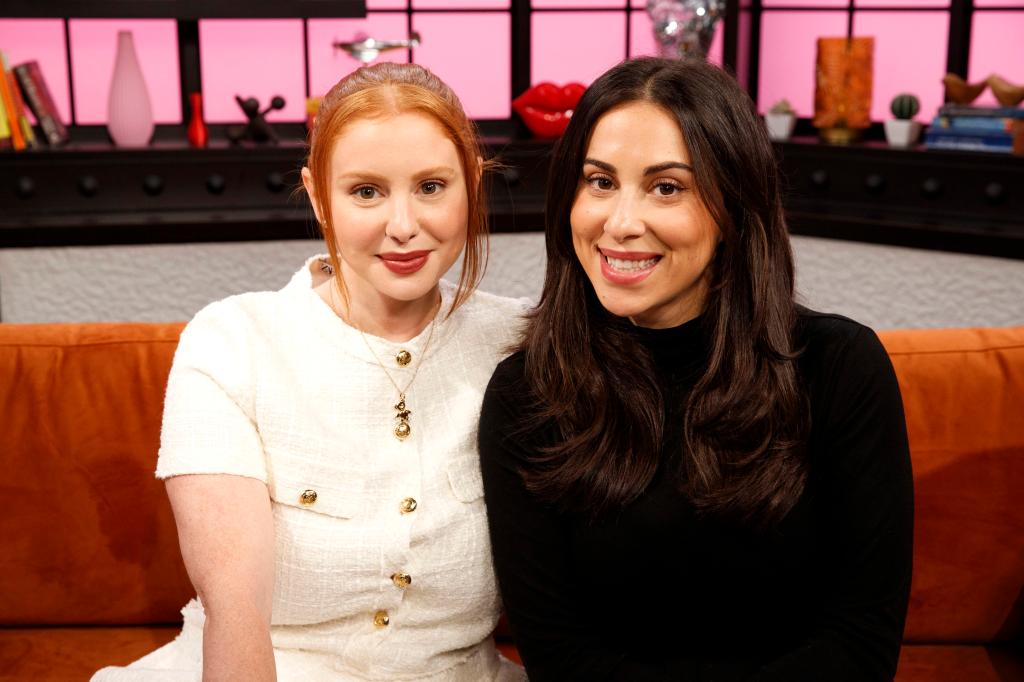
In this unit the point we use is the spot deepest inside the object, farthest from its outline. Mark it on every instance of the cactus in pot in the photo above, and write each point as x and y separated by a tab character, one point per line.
780	119
903	130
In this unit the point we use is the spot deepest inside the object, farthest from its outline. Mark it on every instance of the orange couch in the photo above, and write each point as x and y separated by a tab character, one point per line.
90	573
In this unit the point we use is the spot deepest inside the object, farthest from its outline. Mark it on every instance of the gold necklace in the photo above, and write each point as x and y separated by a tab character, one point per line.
402	427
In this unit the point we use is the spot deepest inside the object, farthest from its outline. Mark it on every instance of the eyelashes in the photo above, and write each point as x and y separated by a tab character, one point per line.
368	193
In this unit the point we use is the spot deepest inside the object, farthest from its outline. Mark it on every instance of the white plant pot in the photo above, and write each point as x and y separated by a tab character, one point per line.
780	126
901	133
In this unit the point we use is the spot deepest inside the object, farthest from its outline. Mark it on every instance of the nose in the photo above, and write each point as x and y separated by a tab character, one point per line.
402	223
625	221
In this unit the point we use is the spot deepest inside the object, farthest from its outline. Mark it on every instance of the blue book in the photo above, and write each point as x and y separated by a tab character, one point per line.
971	123
991	137
989	112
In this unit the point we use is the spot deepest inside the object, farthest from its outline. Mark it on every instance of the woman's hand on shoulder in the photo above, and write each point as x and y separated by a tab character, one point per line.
226	532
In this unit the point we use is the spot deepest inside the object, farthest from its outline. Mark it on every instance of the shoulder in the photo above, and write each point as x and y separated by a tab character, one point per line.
485	306
505	397
829	339
492	321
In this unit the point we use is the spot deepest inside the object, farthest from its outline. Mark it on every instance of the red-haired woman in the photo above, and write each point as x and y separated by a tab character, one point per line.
688	476
319	442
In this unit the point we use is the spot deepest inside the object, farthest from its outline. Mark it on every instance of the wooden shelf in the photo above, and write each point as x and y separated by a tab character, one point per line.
92	193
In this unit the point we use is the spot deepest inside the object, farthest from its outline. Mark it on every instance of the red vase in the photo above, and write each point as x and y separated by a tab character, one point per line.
197	133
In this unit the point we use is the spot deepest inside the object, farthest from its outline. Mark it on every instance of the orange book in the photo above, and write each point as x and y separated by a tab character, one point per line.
19	107
17	137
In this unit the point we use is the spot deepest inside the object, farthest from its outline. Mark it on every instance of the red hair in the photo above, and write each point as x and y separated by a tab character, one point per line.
387	89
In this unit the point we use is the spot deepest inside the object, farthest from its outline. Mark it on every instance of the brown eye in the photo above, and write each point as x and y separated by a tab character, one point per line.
366	193
431	187
667	189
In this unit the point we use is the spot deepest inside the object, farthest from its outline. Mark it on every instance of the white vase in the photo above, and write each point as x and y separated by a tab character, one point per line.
780	126
129	112
901	133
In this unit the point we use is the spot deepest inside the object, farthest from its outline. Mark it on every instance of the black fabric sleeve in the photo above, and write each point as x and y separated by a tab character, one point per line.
865	464
531	557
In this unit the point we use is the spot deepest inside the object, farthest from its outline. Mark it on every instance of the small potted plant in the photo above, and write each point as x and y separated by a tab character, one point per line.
903	130
780	120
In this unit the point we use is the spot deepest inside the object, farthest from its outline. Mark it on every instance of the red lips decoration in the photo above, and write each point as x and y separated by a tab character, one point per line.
546	108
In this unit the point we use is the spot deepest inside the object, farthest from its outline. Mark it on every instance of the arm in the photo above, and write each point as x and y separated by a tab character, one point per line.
225	528
531	556
867	479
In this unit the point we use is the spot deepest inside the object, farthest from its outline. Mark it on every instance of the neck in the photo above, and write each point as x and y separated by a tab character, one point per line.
379	315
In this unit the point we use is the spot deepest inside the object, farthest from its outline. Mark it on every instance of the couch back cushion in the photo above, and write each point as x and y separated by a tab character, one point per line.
87	534
963	391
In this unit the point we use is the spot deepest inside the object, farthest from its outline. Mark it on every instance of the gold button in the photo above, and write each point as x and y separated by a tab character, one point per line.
408	505
401	580
403	358
381	619
307	497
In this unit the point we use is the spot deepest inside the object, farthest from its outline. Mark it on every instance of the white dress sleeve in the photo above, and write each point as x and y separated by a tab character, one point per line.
209	424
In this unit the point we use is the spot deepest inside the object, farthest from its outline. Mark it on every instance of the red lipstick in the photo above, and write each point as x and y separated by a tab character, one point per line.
404	263
546	108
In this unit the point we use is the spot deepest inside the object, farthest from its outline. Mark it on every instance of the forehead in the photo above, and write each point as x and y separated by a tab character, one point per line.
640	130
408	138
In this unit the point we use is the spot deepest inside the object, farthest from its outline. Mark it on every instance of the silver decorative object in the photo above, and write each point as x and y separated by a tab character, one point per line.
367	49
684	28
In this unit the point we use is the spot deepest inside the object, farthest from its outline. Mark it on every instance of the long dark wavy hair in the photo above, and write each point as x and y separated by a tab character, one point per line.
746	420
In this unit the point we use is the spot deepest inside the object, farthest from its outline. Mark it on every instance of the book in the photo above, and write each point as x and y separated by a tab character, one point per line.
992	137
989	112
972	123
11	113
38	98
5	130
19	105
980	143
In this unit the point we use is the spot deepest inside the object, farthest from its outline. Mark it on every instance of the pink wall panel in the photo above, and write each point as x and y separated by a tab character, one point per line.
570	4
642	41
997	46
472	52
42	40
460	4
386	4
576	46
910	56
997	3
902	3
804	3
788	53
327	65
93	48
257	58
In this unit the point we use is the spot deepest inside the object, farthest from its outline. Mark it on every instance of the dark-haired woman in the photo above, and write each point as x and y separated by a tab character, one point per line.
688	476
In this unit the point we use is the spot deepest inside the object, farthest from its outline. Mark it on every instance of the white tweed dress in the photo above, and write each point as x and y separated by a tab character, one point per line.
274	386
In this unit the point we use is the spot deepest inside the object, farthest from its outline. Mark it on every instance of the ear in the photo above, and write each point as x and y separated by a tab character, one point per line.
307	182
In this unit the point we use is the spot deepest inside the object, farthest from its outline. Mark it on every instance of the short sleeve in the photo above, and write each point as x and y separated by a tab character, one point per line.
209	416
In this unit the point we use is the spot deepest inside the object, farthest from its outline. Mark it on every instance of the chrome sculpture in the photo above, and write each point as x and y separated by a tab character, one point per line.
684	28
367	49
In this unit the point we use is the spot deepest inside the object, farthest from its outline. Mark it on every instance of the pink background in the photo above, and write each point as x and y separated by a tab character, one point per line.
997	46
897	69
93	48
472	51
42	40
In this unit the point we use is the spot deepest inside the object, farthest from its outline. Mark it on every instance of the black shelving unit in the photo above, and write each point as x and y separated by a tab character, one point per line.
95	194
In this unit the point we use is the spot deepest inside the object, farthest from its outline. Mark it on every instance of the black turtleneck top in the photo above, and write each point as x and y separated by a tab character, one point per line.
658	592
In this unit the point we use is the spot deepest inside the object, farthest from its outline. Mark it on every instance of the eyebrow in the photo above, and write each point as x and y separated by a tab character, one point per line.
650	170
442	171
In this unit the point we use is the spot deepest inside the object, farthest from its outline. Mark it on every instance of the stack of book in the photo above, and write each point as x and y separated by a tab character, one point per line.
23	89
985	129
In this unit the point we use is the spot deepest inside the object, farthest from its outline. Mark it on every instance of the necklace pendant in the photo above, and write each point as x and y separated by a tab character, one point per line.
402	429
